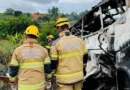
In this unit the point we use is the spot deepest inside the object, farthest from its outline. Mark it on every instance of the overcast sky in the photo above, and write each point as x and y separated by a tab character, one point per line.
42	6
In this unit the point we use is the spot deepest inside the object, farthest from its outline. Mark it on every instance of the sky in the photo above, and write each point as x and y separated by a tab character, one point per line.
41	6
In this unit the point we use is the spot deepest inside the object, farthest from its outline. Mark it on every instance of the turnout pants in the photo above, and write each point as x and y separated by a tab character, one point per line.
76	86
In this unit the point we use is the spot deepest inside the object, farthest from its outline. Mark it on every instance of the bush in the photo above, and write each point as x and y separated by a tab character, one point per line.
14	25
16	39
48	28
5	51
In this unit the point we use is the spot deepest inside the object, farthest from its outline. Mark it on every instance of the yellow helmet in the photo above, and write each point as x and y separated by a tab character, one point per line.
61	22
32	30
50	36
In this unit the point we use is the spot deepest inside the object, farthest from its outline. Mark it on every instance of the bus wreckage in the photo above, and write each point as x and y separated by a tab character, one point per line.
106	32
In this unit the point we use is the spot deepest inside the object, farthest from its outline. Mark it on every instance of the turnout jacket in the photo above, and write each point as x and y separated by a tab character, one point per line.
28	63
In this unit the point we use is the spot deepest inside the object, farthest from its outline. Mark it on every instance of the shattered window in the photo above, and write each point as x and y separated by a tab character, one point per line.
95	20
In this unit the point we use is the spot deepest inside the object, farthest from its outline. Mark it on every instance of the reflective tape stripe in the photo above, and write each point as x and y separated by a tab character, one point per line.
47	60
86	51
32	65
54	56
14	62
31	86
49	76
48	47
69	75
71	55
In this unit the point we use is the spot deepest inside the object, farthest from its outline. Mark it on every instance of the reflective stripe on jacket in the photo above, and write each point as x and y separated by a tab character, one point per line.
31	86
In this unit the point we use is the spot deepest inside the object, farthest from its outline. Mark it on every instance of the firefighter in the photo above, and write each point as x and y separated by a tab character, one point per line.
50	39
67	58
30	63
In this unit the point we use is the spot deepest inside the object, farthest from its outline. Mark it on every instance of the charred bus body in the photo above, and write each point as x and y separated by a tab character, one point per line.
106	32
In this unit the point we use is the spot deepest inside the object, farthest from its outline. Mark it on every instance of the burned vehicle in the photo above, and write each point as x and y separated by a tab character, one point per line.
106	32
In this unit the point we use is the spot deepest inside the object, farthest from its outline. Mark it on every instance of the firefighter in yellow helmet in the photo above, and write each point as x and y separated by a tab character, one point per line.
50	39
30	63
67	58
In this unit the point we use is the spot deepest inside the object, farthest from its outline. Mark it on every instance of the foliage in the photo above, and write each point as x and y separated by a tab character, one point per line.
15	25
74	16
5	51
46	18
62	15
48	28
18	25
9	11
6	47
53	12
12	28
28	14
17	13
16	39
81	14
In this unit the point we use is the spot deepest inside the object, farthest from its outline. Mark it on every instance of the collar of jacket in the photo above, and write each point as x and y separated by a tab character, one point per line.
61	34
29	40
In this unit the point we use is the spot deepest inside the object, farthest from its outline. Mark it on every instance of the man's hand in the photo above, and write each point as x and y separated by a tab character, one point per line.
48	85
14	86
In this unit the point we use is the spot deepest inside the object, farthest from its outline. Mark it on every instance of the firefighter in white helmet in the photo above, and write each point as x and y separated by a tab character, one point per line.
67	58
30	63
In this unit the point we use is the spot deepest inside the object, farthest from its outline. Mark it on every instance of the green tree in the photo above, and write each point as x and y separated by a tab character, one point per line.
54	12
62	15
83	13
46	18
48	28
74	15
15	25
28	14
9	11
18	24
17	13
